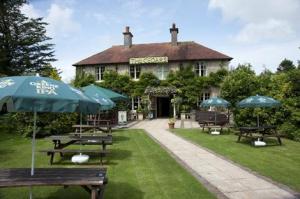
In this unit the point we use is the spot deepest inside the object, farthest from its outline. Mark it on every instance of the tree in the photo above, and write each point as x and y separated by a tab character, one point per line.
239	84
116	82
82	79
23	41
286	65
146	79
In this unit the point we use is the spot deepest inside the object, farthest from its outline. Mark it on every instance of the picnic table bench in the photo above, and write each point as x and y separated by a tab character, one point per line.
93	180
61	142
51	153
258	132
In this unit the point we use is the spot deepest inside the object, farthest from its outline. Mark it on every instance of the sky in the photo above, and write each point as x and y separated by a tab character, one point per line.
258	32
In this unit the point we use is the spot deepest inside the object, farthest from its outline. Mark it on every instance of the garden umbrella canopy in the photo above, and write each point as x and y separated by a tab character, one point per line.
42	94
97	94
215	102
114	96
258	101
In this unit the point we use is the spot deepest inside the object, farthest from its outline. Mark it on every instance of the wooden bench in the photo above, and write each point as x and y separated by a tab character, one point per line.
92	180
51	153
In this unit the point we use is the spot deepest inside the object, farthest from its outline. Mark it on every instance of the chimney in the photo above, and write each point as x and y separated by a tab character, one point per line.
174	32
127	37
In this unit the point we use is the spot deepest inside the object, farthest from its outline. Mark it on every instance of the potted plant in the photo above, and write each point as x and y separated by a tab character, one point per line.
140	113
172	123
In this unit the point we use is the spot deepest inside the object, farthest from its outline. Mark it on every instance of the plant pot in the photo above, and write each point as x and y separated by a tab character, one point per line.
171	125
182	116
140	116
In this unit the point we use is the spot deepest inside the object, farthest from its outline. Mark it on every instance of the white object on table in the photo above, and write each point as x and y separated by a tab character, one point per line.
80	158
259	143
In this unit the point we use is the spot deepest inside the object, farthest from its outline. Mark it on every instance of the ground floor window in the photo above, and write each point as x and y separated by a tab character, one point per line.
204	96
135	71
100	73
135	103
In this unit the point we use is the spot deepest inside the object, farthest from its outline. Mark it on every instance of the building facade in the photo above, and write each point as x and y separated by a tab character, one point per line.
158	58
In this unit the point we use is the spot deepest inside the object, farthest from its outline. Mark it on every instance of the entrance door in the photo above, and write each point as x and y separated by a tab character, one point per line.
163	106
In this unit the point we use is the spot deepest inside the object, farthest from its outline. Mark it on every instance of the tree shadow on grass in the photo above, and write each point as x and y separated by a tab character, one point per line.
113	190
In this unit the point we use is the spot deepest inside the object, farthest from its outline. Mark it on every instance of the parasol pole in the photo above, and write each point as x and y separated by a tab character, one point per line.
33	149
80	130
257	118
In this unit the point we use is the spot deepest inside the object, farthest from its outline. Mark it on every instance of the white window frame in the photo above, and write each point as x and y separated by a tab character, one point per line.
204	96
201	69
135	69
100	73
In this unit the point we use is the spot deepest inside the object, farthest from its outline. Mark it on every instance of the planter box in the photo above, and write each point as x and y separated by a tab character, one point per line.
140	116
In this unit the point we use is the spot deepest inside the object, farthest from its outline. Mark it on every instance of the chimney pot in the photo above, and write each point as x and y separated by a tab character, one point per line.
174	32
127	37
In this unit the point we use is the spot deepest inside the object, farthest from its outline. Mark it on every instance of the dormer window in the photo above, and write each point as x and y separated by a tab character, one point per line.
100	73
200	69
135	71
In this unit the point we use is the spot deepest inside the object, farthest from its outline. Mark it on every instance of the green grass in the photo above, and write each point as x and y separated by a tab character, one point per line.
137	168
280	163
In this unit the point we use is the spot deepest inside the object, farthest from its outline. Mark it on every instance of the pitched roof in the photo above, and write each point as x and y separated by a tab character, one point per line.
183	51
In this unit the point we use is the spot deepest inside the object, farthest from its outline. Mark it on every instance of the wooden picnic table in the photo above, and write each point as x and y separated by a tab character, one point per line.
101	123
92	180
256	132
61	142
209	124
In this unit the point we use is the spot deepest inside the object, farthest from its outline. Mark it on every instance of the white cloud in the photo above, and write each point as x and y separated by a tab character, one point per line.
61	21
261	20
30	11
265	31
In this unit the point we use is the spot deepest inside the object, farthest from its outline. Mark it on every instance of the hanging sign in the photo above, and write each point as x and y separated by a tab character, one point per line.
148	60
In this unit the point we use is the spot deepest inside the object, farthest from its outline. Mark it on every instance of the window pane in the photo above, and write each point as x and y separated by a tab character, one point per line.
131	71
137	71
196	69
97	74
203	69
102	70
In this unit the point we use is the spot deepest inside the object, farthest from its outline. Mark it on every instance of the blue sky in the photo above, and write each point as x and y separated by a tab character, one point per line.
258	32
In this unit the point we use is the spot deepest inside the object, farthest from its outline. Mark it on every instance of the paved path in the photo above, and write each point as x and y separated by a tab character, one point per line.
233	181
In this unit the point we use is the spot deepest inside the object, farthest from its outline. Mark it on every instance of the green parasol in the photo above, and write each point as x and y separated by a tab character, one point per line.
41	94
258	101
98	95
114	96
215	102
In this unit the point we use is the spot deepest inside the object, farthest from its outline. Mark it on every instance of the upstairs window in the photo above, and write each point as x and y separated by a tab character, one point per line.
135	71
100	73
162	72
200	69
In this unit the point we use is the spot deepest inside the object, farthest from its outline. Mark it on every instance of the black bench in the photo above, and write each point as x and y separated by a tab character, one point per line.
211	119
51	153
92	180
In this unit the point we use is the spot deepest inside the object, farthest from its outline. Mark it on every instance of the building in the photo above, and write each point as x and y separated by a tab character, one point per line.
158	58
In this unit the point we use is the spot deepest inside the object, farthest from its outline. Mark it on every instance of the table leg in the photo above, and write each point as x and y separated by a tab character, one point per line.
94	193
239	138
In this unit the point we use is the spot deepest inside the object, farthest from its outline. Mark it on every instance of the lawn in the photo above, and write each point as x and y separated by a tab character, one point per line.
137	168
280	163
